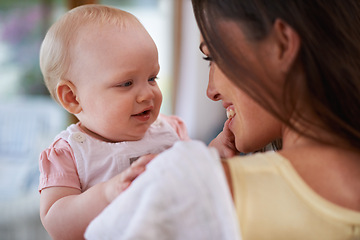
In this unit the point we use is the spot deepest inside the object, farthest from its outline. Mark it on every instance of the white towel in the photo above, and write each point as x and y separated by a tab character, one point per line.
183	194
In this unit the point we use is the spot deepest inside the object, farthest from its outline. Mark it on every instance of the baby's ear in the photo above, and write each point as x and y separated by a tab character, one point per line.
66	93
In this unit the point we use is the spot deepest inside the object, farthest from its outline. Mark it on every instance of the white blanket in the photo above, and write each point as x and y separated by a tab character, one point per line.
183	194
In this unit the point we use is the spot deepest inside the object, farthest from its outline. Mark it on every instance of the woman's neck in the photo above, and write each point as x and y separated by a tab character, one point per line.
331	171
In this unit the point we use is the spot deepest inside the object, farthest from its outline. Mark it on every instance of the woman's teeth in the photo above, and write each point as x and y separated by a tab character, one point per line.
230	113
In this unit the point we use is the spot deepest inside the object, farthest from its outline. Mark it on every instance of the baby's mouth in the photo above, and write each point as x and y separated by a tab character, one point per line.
142	113
230	113
143	116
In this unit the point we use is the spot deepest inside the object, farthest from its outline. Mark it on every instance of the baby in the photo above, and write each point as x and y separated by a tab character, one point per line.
101	65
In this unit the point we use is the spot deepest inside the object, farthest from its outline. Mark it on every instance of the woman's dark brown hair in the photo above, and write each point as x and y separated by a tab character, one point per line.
329	56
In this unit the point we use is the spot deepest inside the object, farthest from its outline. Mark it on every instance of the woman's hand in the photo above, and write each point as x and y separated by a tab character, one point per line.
225	142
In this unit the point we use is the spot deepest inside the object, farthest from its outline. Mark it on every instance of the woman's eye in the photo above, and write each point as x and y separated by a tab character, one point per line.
209	59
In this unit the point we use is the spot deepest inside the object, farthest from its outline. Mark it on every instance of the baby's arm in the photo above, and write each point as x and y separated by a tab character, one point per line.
66	212
225	142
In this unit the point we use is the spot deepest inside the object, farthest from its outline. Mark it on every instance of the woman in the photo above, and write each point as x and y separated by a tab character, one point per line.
284	70
289	70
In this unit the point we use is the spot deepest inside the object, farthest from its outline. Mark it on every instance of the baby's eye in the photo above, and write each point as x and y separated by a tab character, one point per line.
125	84
152	80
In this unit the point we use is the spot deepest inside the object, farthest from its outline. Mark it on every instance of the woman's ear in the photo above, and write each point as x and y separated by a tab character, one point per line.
66	93
288	43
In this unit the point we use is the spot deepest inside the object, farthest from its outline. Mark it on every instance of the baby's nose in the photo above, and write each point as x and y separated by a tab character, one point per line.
145	94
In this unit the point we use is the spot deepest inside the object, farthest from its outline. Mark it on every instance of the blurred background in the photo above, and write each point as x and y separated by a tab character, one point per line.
30	119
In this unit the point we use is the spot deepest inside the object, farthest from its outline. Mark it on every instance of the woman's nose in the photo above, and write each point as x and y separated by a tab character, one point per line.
211	91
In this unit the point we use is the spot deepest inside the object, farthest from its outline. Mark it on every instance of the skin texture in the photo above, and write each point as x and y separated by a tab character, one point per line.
111	88
251	122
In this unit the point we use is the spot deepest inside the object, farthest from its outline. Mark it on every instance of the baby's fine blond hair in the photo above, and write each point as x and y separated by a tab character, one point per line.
55	52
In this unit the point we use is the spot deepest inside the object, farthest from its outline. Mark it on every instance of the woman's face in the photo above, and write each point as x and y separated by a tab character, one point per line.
252	125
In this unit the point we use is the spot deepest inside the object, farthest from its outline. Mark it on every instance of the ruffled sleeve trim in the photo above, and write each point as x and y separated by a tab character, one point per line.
178	125
57	167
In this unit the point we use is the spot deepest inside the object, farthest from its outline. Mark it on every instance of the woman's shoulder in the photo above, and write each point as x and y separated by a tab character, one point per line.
310	178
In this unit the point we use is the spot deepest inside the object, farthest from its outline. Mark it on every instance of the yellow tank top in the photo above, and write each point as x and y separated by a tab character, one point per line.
273	202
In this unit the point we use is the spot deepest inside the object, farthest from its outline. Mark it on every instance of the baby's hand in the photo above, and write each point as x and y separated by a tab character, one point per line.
225	142
122	181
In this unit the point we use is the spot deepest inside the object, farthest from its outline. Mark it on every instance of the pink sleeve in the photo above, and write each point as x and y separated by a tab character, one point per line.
178	125
57	167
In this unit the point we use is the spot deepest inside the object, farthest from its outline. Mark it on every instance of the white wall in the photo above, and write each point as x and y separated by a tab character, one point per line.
202	116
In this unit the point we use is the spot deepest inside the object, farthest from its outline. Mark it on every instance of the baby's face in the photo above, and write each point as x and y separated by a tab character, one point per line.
114	72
